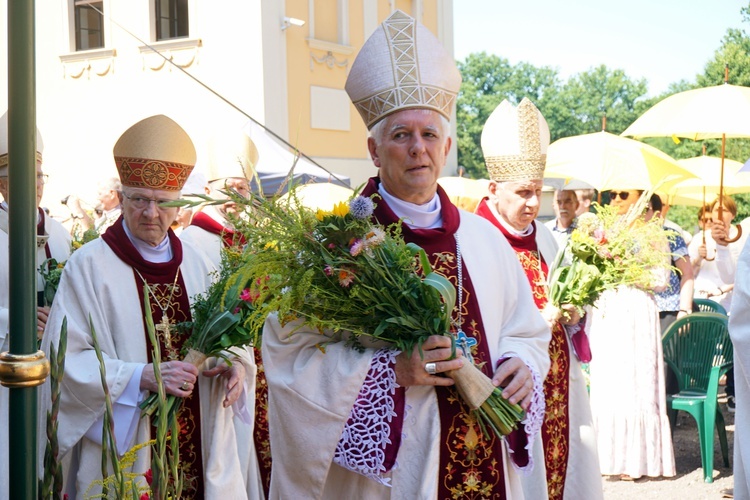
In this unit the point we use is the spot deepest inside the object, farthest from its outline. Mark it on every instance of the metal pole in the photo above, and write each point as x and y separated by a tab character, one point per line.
22	262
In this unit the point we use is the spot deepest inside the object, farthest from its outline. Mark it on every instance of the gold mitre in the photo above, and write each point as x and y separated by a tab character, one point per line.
515	142
402	65
155	153
231	154
4	145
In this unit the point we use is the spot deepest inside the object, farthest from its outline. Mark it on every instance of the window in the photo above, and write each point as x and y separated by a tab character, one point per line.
171	19
89	24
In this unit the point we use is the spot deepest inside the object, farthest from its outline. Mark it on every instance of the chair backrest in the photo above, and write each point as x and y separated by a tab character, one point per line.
708	305
694	345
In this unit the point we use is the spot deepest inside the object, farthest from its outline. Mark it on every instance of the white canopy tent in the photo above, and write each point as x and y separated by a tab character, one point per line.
275	162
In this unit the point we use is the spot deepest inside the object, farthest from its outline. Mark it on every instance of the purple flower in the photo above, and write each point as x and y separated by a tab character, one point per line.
328	270
361	207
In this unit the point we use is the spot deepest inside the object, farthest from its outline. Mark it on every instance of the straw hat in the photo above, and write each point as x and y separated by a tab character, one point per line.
402	65
515	142
155	153
4	145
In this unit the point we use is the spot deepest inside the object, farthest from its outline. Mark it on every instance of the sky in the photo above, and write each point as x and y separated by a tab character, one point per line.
662	41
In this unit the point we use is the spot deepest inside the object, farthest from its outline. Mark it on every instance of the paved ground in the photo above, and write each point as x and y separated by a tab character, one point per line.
688	484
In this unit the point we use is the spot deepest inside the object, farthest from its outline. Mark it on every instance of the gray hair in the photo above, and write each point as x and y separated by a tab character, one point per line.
112	183
378	130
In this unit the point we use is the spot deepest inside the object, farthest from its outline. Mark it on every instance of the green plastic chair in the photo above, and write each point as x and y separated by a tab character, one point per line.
708	305
698	349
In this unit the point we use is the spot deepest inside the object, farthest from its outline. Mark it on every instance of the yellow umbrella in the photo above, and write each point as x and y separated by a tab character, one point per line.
714	112
607	161
322	195
465	193
708	180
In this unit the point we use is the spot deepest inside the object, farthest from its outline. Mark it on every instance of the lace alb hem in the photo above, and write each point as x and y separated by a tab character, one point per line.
534	415
361	448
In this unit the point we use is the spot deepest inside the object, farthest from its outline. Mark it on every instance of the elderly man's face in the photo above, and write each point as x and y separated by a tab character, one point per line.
411	154
40	181
517	201
240	185
143	215
567	205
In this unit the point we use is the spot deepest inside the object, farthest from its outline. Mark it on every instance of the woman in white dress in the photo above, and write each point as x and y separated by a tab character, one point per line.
628	400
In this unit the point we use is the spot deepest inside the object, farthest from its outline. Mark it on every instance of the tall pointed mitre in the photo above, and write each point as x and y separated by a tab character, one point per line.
402	65
515	142
155	153
4	145
231	154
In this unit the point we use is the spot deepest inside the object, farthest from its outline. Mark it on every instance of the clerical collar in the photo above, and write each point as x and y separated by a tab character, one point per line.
427	216
158	255
515	232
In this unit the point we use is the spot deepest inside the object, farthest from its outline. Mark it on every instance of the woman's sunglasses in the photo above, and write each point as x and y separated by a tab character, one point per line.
622	194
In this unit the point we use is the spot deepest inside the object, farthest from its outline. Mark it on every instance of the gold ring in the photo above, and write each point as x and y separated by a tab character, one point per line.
185	385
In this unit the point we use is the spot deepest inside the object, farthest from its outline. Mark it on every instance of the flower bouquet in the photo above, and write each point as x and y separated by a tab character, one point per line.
219	324
345	276
607	250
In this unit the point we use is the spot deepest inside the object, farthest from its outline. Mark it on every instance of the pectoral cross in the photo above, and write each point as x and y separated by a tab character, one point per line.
164	329
465	343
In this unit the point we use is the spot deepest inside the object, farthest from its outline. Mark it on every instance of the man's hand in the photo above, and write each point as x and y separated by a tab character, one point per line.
410	370
515	378
235	377
570	315
178	377
42	314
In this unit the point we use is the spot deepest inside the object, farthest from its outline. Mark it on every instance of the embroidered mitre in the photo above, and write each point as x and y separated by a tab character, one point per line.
155	153
402	65
515	142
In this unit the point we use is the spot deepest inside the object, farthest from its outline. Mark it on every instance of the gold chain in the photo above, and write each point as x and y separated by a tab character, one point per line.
164	328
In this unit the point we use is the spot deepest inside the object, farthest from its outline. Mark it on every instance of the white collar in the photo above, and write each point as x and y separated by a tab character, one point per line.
159	254
427	216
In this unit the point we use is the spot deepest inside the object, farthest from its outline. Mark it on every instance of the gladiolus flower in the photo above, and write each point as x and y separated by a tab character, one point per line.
144	496
246	296
149	475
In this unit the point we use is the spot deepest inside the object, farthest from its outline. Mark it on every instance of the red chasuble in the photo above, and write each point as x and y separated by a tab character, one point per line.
471	463
555	428
260	431
169	292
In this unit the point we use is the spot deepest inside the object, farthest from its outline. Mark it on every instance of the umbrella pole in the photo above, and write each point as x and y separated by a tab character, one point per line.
721	193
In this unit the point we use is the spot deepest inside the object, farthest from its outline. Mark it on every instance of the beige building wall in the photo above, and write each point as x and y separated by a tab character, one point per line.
290	78
321	119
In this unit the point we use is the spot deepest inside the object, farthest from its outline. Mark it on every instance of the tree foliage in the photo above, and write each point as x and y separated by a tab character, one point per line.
577	106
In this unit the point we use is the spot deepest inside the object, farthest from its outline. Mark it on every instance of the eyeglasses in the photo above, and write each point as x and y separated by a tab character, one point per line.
622	194
42	178
141	202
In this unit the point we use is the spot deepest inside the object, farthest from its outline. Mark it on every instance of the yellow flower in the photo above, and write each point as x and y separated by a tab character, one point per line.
341	209
321	214
77	245
271	245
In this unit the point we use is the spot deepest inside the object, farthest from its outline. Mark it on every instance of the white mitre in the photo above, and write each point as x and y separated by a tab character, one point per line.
402	65
231	154
4	145
515	142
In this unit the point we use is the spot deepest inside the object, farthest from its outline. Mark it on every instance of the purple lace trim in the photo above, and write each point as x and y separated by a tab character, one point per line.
362	445
534	416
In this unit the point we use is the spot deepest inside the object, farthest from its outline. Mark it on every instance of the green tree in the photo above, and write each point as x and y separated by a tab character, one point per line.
487	80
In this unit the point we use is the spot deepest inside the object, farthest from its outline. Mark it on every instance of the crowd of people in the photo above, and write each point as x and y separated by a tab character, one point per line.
296	421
